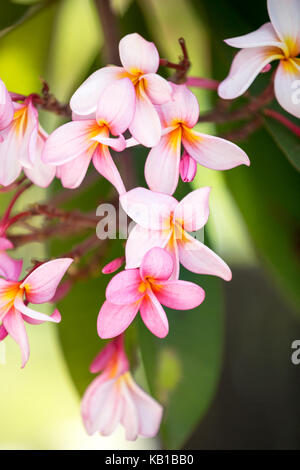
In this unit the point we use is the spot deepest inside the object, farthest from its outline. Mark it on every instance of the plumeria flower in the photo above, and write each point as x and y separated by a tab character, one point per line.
275	40
9	267
114	397
178	117
140	62
144	290
37	288
163	221
6	107
74	145
21	147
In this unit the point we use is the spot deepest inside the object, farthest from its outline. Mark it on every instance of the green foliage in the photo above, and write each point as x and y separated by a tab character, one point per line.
288	142
268	195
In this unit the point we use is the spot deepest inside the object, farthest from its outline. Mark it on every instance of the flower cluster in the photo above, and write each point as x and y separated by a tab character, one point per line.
116	108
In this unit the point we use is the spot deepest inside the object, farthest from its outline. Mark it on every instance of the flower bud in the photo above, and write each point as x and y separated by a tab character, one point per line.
187	168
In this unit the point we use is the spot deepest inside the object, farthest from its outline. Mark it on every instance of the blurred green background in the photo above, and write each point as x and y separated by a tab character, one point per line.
225	365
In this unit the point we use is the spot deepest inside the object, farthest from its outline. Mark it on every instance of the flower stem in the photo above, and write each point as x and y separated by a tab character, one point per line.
283	120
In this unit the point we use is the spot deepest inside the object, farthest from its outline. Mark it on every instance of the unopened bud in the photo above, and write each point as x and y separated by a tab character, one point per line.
113	265
187	168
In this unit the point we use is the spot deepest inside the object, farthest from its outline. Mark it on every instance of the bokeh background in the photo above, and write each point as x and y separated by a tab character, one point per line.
225	375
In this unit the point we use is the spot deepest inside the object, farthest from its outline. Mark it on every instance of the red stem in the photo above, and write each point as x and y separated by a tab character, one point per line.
206	83
13	201
283	120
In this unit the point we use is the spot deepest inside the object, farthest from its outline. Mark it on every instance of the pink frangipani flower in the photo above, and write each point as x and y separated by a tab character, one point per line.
37	288
163	221
178	117
114	397
74	145
144	290
6	107
140	62
275	40
21	147
9	268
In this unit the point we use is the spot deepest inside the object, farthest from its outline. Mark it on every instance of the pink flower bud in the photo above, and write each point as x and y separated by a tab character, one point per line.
113	265
187	168
266	68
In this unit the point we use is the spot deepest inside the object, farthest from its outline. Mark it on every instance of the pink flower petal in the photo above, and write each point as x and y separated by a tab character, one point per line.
183	108
198	258
213	152
10	268
193	210
56	318
111	414
116	106
105	165
102	360
8	289
37	317
41	284
172	248
138	55
149	209
263	36
29	135
10	165
157	88
116	143
145	126
246	65
6	107
179	295
73	173
129	418
154	316
157	264
86	97
149	411
288	74
285	17
123	289
140	241
95	401
162	164
14	325
68	142
5	244
114	319
40	174
3	333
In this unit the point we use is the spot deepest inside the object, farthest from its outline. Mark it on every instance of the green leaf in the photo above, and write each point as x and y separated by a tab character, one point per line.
268	194
24	51
288	142
10	13
14	14
183	368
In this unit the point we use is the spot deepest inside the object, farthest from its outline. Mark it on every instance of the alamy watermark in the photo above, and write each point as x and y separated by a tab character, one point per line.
115	224
295	357
296	92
